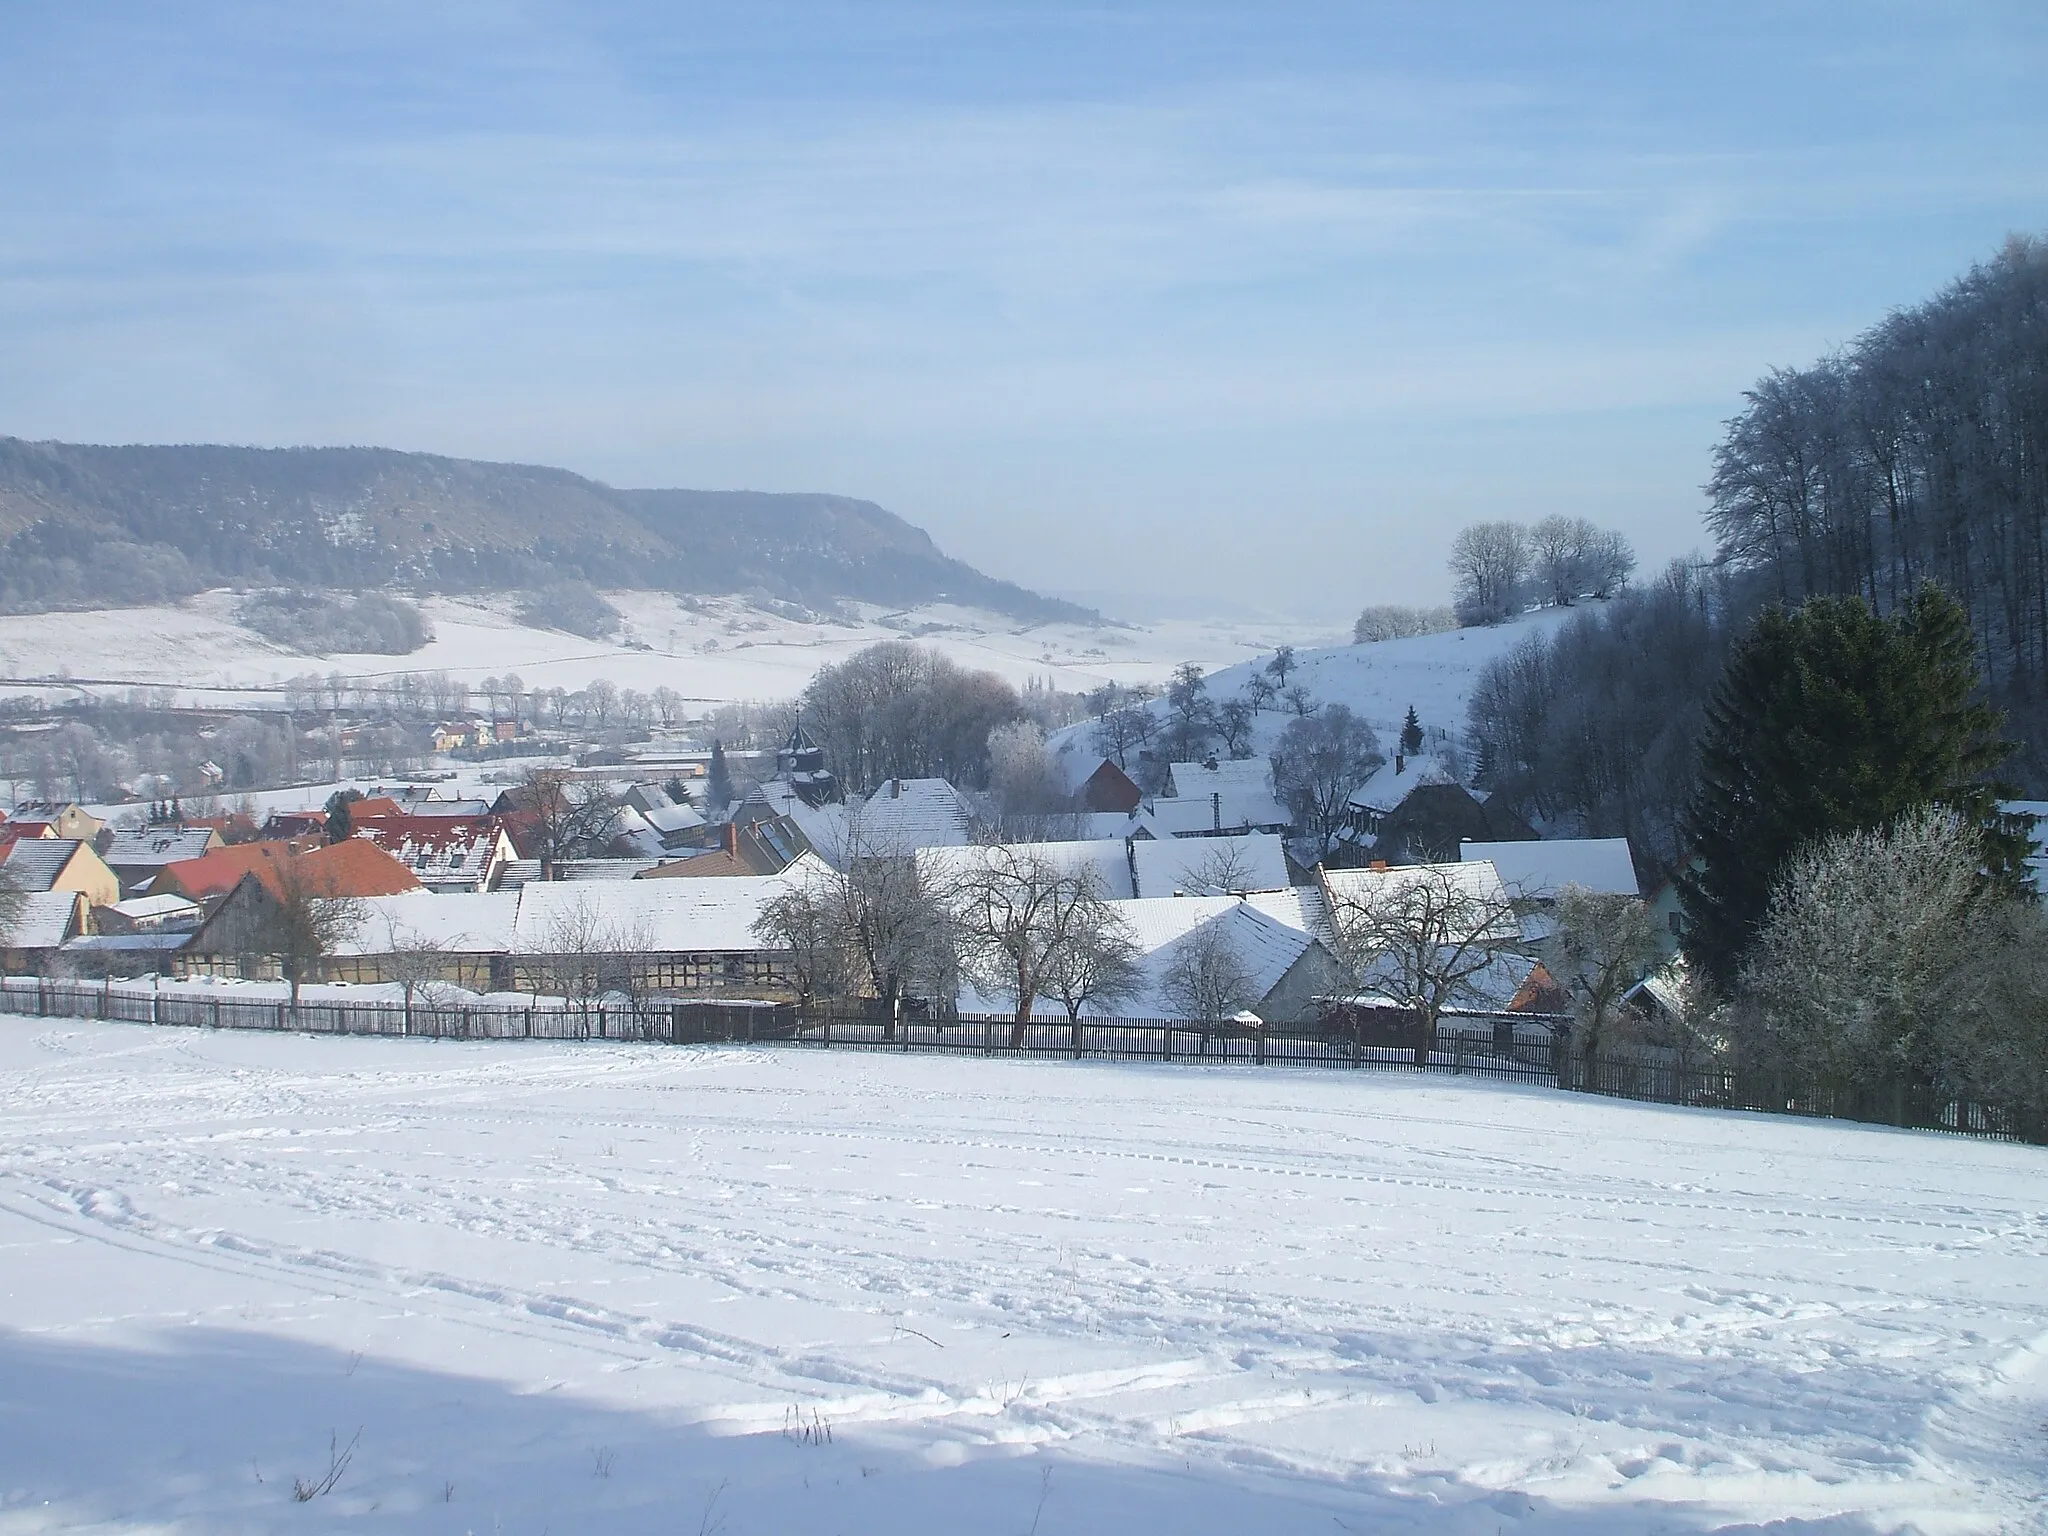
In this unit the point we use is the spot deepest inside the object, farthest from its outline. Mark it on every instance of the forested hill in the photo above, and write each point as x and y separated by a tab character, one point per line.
1919	452
88	526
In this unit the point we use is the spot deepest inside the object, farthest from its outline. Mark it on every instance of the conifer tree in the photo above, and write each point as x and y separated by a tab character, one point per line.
718	782
1830	719
1411	734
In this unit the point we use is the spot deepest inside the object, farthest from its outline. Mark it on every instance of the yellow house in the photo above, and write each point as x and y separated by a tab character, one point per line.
59	864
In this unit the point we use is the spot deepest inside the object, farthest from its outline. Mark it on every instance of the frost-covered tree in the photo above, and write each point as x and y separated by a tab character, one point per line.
1489	565
1880	950
1027	792
1395	621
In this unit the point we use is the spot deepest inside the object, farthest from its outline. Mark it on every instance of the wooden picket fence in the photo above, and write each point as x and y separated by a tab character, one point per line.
1510	1048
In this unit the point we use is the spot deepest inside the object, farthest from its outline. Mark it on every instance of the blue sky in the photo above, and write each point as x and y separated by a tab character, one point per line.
1174	304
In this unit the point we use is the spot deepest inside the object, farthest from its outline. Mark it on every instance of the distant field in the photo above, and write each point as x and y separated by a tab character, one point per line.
643	1289
721	650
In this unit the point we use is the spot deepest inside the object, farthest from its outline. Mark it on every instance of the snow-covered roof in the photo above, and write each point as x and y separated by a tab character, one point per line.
46	920
1090	826
1108	860
1479	881
820	824
904	815
148	909
672	818
455	851
34	863
1392	780
649	916
432	807
1201	817
1210	866
1230	776
1542	869
462	922
1222	794
154	847
1077	765
1265	946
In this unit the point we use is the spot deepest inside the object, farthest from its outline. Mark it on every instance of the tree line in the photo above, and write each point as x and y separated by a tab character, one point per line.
1917	453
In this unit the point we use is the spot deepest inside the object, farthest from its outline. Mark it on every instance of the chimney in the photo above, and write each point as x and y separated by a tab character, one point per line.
895	789
1400	764
1379	864
732	838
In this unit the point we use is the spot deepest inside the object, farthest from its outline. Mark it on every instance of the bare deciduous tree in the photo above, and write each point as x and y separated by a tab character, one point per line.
1601	947
1017	910
806	923
568	817
1423	937
416	961
304	920
1124	731
1317	765
1207	981
1099	965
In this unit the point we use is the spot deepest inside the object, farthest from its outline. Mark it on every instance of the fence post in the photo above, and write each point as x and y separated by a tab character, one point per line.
1077	1037
156	1006
529	1019
1457	1054
1259	1045
828	1026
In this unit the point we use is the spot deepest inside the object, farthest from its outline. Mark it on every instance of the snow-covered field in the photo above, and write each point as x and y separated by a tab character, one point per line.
642	1289
1433	674
711	649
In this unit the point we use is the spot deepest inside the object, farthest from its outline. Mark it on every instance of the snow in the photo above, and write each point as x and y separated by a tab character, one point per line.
654	916
1543	869
1392	782
1172	866
711	650
46	919
1434	673
1106	861
642	1289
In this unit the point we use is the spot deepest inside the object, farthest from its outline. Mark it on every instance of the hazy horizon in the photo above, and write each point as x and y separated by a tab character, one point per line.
1187	304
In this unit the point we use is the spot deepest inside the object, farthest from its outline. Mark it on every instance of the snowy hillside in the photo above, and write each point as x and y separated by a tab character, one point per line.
1433	673
710	649
647	1289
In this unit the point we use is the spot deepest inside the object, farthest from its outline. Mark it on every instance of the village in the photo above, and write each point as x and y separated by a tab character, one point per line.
655	872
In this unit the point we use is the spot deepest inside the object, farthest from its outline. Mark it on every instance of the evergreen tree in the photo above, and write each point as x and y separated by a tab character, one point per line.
718	783
1830	719
341	821
1411	734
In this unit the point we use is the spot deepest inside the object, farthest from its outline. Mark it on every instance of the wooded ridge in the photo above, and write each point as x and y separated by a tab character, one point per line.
85	526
